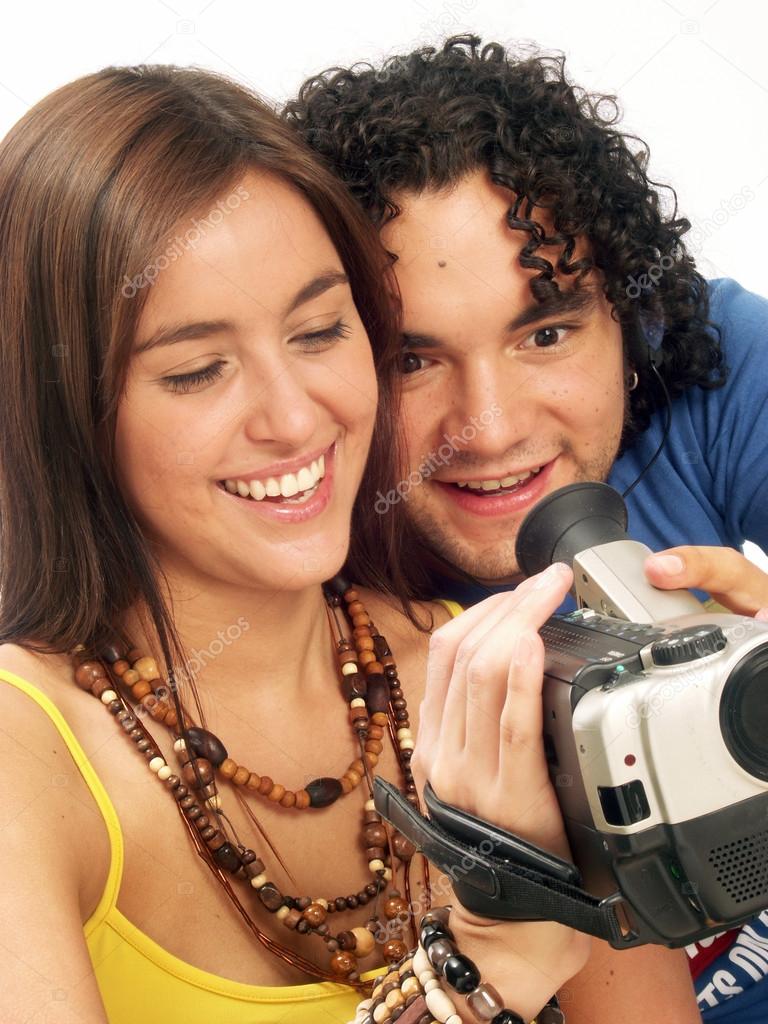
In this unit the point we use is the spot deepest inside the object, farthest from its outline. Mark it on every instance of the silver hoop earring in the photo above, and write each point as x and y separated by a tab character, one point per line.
633	381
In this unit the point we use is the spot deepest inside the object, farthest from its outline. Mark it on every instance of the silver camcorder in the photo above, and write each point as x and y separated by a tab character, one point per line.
655	730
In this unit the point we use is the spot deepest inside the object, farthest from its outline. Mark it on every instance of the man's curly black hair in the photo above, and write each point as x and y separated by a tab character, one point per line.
424	120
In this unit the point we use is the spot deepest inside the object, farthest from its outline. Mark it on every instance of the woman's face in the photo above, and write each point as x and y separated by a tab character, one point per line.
260	381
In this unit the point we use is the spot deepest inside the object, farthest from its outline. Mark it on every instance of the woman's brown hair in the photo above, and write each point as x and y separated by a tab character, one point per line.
93	182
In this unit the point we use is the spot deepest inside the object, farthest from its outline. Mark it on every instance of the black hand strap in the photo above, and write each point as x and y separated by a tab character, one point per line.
496	874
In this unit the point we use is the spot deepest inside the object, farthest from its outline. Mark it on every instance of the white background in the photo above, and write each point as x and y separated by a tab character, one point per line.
691	75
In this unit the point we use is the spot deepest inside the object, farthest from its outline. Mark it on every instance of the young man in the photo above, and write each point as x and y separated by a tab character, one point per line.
541	274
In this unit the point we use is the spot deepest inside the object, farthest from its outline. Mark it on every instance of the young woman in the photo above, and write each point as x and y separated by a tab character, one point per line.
193	317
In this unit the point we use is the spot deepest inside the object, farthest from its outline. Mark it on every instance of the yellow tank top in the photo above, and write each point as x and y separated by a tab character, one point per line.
140	981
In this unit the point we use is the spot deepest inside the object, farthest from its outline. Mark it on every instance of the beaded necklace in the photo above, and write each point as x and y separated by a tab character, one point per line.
373	692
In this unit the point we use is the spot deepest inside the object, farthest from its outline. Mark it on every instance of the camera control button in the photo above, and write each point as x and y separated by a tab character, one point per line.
624	805
688	645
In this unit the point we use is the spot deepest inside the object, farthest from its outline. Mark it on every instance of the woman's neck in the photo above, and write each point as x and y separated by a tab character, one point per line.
277	644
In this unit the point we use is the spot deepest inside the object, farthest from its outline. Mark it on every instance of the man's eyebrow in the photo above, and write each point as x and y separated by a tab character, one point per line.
574	301
169	335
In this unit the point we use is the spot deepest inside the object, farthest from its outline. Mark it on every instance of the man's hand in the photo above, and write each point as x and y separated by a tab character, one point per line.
731	579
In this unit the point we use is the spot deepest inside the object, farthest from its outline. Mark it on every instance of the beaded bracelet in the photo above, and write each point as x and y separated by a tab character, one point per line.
412	991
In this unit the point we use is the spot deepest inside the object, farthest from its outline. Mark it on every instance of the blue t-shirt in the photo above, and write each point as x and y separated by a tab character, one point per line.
709	486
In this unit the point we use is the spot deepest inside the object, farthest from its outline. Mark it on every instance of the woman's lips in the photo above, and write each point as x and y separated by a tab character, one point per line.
287	512
511	503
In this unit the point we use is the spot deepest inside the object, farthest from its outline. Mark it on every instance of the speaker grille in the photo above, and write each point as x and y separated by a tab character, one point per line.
742	867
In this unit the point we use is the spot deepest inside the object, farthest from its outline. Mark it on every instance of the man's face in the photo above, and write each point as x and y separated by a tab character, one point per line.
504	400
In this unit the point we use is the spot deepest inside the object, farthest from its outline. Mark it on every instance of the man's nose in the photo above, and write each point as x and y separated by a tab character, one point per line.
490	410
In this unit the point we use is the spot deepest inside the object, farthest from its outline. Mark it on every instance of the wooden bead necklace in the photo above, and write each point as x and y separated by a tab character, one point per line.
372	690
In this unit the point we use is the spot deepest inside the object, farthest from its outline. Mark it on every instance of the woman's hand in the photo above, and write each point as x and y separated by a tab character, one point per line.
480	746
726	574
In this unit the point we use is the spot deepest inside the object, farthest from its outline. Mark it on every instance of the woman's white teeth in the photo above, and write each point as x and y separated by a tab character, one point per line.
303	483
495	485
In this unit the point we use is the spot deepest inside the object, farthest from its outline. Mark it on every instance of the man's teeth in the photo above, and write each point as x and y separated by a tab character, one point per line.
303	483
496	485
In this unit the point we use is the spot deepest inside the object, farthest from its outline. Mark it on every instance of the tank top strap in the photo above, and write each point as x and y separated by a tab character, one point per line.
452	606
105	805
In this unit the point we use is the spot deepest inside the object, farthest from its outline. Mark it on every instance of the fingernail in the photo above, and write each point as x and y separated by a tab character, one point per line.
550	575
762	615
670	565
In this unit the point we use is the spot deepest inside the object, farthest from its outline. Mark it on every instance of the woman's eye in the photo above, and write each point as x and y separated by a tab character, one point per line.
318	339
185	382
410	362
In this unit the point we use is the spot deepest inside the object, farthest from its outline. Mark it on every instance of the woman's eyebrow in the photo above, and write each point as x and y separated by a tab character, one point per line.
170	335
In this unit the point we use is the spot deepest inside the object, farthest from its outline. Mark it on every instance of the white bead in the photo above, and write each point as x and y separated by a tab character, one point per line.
156	764
439	1004
108	696
179	745
430	984
370	805
426	976
349	668
323	902
282	912
164	773
381	1013
387	875
406	744
454	1019
358	702
375	865
258	880
421	962
404	734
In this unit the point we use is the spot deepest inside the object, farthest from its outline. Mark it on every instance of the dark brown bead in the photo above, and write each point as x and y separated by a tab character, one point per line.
374	835
87	674
194	812
228	858
340	903
302	927
208	833
271	897
401	716
314	914
374	853
346	940
205	769
206	745
128	722
354	685
363	898
381	647
398	703
402	847
394	950
378	694
188	801
342	963
371	818
143	746
323	792
111	653
372	888
248	856
202	821
135	734
396	693
351	902
303	902
254	867
173	782
181	791
114	706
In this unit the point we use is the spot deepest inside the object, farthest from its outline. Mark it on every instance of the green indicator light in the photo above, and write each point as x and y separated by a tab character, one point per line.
674	870
620	668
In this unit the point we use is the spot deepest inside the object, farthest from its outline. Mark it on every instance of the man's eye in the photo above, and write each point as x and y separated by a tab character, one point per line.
548	337
410	362
184	382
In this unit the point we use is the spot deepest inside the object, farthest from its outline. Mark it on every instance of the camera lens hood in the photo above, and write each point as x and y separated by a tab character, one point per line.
568	521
